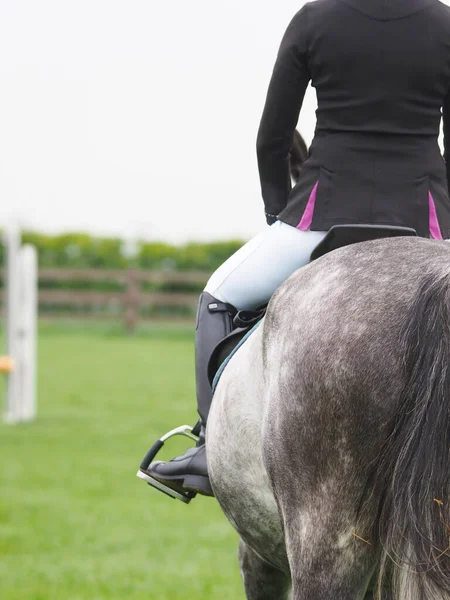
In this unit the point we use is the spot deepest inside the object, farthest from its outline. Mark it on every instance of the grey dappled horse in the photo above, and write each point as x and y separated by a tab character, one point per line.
329	436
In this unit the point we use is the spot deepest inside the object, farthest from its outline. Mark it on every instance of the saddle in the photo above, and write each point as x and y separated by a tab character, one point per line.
246	322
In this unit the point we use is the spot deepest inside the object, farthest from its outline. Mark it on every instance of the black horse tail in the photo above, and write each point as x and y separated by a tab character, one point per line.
413	525
298	155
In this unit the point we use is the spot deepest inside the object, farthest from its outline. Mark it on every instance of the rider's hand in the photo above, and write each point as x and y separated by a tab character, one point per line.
271	219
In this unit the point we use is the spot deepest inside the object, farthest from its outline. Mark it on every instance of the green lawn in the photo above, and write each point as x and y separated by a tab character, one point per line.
75	522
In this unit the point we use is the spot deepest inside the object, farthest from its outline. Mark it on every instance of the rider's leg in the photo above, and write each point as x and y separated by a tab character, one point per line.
245	281
189	471
251	275
214	322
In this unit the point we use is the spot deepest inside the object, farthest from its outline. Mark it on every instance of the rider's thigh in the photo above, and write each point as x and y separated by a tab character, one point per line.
251	275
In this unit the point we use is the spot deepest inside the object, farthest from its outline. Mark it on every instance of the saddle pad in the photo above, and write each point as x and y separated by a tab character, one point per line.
229	357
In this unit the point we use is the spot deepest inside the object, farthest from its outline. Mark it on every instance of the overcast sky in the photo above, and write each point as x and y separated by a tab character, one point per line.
137	118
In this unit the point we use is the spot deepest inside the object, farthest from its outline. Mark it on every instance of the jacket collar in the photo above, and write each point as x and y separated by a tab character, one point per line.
387	10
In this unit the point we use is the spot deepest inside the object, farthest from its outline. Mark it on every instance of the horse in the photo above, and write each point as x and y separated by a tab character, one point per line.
328	440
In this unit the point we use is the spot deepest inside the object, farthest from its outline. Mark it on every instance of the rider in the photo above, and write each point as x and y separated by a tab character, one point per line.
382	74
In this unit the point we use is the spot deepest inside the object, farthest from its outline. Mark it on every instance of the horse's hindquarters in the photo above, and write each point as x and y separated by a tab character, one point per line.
334	360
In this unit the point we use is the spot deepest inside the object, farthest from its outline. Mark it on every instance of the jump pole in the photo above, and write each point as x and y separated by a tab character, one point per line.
19	364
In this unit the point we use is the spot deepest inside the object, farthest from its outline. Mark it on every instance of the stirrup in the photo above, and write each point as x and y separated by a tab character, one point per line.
185	497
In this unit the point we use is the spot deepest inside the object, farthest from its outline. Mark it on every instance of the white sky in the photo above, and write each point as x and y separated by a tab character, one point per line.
137	118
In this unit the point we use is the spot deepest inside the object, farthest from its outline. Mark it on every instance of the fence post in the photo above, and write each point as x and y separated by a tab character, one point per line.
27	359
132	301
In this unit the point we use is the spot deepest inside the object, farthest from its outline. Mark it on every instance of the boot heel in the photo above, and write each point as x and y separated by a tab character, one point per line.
199	484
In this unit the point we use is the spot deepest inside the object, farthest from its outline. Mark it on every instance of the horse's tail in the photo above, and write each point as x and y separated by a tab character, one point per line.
414	519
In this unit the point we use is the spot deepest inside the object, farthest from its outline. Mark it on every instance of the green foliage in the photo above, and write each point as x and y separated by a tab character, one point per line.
157	255
77	250
80	250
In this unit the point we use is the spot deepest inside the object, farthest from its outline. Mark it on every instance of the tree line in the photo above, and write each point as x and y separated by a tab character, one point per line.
80	250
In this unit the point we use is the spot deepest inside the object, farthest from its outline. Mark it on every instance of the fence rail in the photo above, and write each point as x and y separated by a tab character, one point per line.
122	275
131	302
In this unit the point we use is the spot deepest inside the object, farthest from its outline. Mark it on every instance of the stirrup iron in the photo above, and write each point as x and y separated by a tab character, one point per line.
151	455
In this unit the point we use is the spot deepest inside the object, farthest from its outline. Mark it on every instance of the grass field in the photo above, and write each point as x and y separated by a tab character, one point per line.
75	522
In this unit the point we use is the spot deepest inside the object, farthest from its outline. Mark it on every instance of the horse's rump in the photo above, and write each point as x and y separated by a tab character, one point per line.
334	352
319	389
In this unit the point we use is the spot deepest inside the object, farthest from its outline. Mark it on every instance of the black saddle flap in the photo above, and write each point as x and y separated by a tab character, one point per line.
223	349
345	235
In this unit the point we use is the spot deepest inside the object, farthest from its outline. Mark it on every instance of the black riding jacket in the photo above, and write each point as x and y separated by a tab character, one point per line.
381	69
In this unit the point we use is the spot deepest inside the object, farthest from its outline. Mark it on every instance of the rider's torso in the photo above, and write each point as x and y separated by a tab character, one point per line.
382	76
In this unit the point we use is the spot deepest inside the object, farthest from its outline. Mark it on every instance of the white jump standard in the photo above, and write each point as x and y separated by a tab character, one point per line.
21	329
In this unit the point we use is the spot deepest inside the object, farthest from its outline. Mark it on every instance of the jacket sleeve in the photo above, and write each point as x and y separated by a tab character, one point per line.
287	89
446	127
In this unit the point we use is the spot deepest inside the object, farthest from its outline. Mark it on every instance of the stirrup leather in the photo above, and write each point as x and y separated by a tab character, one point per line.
151	455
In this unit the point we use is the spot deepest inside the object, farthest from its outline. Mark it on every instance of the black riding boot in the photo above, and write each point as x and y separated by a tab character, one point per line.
189	472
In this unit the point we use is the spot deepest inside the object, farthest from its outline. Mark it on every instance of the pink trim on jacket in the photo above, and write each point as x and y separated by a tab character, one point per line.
307	218
435	230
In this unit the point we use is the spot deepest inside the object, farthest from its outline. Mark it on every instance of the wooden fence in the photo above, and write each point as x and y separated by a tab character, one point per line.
128	300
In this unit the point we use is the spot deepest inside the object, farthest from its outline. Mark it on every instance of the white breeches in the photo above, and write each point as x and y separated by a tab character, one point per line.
253	273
